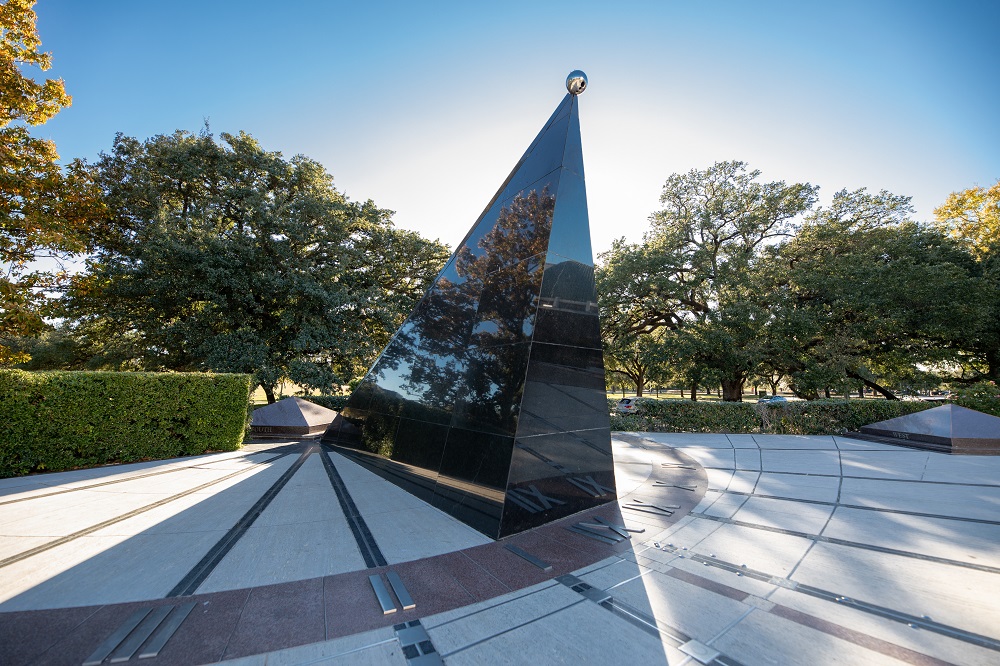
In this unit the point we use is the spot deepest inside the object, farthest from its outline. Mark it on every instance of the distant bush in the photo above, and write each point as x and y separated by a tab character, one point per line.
983	397
334	402
64	420
816	417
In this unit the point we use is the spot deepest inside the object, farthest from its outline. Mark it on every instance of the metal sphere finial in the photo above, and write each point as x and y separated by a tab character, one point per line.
576	82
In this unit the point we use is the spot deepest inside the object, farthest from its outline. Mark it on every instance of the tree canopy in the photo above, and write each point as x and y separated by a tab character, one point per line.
219	255
689	277
42	208
973	217
731	285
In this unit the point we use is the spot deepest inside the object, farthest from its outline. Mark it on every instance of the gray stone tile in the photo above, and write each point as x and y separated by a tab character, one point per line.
848	444
404	527
802	462
726	506
690	534
744	482
783	514
723	577
821	488
978	502
584	633
743	441
458	629
963	469
719	478
898	464
102	569
956	596
898	633
971	543
770	552
763	638
371	647
614	574
683	440
709	457
748	458
818	442
697	612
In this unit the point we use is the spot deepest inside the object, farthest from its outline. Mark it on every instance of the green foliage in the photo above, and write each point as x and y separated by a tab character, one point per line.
42	209
688	279
982	396
221	256
64	420
862	294
334	402
817	417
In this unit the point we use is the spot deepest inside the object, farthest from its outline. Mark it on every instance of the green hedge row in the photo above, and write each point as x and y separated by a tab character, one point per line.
816	417
64	420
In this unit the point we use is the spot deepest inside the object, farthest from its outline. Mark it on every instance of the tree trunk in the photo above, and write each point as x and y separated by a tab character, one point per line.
732	390
993	365
640	383
826	392
269	392
694	392
774	388
886	393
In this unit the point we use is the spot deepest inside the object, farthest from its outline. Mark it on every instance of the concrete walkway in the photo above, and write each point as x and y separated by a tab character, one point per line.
753	550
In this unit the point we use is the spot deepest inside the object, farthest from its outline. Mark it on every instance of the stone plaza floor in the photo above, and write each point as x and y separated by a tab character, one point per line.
742	549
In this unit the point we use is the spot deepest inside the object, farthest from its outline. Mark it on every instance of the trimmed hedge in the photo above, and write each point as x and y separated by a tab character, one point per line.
815	417
64	420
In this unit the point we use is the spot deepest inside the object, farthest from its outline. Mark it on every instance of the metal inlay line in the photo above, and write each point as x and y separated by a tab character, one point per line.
139	635
116	637
214	556
112	521
594	535
851	544
881	611
359	528
541	564
400	590
167	630
382	594
138	476
637	618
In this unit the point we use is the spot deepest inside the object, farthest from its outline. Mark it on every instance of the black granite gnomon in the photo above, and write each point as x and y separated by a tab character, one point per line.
490	402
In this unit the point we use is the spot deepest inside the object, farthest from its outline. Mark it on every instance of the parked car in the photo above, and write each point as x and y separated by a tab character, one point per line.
628	406
777	400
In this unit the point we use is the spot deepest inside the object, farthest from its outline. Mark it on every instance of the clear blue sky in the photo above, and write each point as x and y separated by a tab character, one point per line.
426	106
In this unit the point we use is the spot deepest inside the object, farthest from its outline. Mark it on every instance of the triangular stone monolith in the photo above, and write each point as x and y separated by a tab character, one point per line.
293	417
948	427
490	402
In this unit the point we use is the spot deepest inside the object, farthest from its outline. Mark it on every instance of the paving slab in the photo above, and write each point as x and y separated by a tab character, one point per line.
405	527
820	488
945	499
954	595
306	598
763	638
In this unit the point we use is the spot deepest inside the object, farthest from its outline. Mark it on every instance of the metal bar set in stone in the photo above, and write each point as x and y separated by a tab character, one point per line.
383	596
151	627
646	507
604	531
